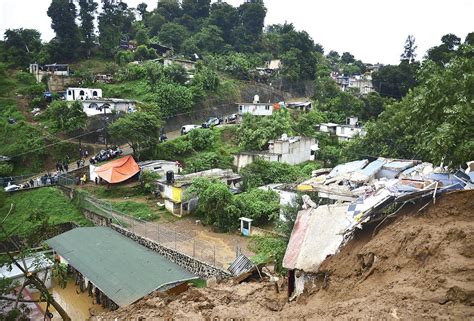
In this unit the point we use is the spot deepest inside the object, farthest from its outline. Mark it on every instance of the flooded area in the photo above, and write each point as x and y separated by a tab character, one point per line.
79	306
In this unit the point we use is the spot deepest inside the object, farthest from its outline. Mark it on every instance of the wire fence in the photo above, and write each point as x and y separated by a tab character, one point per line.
165	234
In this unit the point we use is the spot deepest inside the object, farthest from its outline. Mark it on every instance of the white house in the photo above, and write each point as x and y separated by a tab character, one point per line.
159	166
39	71
344	132
108	105
256	108
72	94
290	150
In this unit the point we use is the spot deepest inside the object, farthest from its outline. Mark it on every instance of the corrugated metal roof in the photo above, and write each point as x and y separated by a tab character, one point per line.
124	270
241	265
317	233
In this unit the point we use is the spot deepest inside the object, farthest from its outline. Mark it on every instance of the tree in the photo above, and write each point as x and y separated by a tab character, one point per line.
469	39
64	117
141	8
347	58
87	11
226	17
443	53
255	132
252	15
30	278
141	130
201	139
115	24
176	73
262	206
142	37
409	50
173	34
209	39
431	123
21	46
395	81
63	22
169	9
196	8
215	203
154	22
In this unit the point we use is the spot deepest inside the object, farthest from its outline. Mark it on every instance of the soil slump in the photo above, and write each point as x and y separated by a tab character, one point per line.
416	266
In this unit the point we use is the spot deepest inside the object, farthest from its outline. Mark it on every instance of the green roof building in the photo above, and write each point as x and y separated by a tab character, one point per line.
119	267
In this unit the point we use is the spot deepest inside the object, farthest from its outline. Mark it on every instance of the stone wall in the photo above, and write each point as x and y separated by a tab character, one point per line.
197	267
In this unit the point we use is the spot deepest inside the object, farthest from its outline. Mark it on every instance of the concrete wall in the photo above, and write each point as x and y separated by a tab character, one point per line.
199	268
244	159
297	152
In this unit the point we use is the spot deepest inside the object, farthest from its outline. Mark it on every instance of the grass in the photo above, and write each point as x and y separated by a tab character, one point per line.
119	191
49	200
136	209
199	283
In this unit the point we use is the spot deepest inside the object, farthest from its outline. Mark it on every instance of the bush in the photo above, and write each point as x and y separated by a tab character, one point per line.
202	139
148	182
262	206
268	249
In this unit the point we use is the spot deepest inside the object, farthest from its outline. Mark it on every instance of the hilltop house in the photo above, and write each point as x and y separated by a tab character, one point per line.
362	84
39	71
72	94
172	188
290	150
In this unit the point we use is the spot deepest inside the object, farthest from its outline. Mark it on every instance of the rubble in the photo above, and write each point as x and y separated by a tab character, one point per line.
413	267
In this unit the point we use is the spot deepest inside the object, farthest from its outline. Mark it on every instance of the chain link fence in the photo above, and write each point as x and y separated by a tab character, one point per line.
166	234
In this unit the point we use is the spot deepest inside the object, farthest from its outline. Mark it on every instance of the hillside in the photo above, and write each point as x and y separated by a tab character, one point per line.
422	268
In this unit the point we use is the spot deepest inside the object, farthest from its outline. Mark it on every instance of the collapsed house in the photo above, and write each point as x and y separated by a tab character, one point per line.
290	150
364	192
172	188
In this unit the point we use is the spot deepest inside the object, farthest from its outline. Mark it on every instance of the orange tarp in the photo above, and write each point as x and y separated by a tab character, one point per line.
118	170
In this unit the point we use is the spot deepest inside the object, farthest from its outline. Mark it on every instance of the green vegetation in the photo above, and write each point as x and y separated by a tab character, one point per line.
49	202
199	283
432	122
136	209
201	149
221	209
268	249
261	173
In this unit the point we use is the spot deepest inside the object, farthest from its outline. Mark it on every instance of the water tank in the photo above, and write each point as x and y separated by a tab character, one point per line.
256	99
169	177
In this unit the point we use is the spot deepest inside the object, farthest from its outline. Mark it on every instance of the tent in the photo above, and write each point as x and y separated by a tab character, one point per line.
118	170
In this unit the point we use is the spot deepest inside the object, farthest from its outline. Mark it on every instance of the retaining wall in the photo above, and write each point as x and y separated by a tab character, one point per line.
199	268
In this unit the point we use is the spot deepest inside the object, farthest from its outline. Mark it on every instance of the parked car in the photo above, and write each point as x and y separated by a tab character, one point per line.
11	188
105	155
211	122
187	128
232	119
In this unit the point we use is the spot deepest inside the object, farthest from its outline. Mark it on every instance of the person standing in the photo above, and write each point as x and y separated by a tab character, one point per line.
66	166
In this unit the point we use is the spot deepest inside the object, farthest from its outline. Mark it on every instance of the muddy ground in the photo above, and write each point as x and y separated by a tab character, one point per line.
417	266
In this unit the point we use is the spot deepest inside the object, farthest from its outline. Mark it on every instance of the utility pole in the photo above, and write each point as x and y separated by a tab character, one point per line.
105	128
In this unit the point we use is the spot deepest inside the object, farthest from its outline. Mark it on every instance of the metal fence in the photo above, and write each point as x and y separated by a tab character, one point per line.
166	234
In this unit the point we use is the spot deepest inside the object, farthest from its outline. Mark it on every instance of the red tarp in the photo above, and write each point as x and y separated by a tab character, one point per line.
118	170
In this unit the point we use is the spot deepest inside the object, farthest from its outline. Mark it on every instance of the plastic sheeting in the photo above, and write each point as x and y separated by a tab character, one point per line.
118	170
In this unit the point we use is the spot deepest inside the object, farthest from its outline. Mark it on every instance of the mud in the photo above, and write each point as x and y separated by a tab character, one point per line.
417	266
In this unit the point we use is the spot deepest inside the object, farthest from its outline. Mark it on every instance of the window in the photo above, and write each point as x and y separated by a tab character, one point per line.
94	93
69	92
81	93
267	107
240	107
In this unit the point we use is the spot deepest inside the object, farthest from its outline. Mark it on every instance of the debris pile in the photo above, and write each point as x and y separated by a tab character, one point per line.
414	266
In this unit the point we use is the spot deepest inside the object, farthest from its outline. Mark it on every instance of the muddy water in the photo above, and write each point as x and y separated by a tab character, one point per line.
78	306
